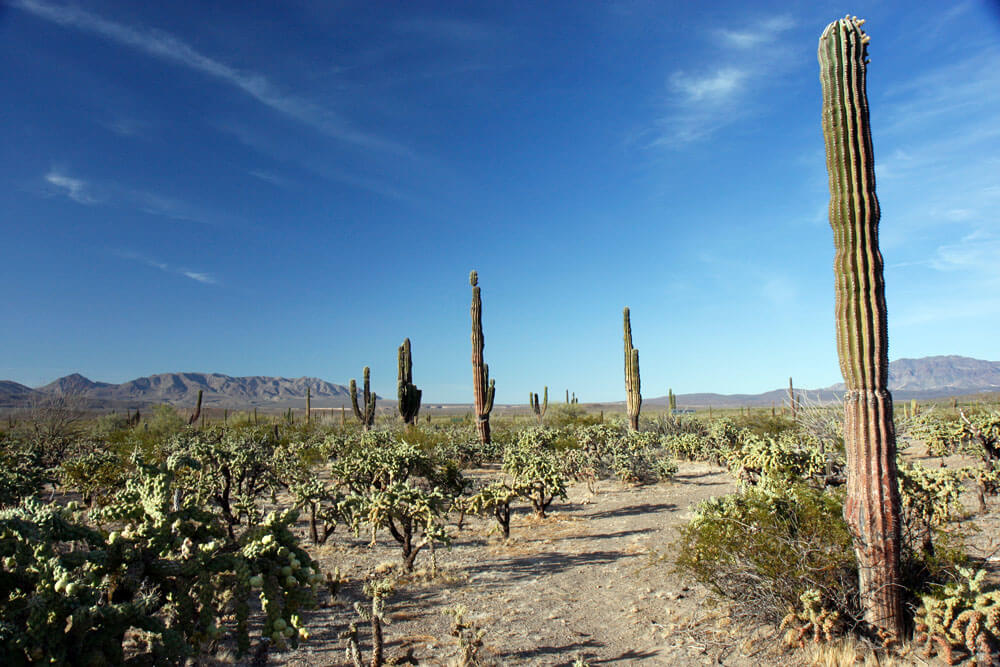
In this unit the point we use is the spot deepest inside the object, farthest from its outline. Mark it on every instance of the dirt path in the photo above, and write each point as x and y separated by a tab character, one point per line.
584	582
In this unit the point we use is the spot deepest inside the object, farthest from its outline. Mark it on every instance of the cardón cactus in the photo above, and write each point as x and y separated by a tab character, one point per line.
482	386
409	395
539	408
633	399
872	506
366	417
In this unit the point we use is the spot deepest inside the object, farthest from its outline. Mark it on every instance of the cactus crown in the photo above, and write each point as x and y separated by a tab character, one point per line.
473	278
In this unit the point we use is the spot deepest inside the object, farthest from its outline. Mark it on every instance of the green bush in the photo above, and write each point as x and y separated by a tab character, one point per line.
535	466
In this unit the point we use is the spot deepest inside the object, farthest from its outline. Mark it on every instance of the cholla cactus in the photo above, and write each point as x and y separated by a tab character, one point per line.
535	467
962	619
366	416
813	618
469	636
495	498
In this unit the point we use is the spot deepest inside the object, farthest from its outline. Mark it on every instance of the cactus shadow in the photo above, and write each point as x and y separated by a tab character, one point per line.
634	510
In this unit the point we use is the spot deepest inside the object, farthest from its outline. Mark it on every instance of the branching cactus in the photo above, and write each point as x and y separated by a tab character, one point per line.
409	395
872	506
633	399
366	416
482	386
539	408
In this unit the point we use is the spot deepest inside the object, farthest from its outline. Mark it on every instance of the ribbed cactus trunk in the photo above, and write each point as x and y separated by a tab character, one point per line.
407	392
197	410
483	387
367	415
872	506
633	399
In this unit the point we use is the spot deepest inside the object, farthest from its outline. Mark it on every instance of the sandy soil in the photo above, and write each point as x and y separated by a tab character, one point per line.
593	580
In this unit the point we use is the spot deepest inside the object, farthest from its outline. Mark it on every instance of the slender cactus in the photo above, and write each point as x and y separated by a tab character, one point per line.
539	408
671	401
308	405
197	410
791	399
409	395
366	416
872	505
633	399
482	386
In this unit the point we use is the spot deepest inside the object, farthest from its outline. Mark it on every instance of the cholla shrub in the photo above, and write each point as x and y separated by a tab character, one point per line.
930	500
767	460
167	574
976	435
810	617
961	620
611	449
494	499
22	473
534	465
395	485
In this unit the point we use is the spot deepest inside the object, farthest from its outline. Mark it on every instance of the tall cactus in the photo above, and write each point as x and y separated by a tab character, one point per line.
633	399
671	401
791	398
409	395
872	506
366	416
482	386
308	404
539	408
197	410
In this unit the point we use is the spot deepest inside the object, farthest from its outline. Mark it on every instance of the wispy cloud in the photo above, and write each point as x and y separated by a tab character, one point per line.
764	31
114	195
712	88
169	48
198	276
76	189
701	102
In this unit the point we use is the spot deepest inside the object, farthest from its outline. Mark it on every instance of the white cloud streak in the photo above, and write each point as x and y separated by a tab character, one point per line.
198	276
167	47
700	103
74	188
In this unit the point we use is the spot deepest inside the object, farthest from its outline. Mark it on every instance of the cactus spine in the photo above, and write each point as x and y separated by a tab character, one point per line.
539	408
872	505
409	395
633	399
367	415
197	410
482	386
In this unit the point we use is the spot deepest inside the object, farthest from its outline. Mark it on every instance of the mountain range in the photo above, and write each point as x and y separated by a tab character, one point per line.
925	378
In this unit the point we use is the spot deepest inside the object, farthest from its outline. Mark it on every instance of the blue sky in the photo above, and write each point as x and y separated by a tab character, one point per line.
291	188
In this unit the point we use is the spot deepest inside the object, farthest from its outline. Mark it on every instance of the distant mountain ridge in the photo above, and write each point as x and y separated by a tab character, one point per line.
925	378
181	389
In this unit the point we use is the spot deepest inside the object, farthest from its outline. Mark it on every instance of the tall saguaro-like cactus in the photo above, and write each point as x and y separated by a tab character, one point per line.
872	506
366	416
539	408
409	395
482	386
633	399
197	410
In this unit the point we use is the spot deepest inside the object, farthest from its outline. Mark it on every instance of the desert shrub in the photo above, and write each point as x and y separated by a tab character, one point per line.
976	435
96	475
535	466
571	414
765	550
930	499
689	446
105	425
165	421
22	471
763	424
